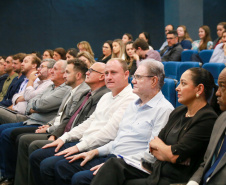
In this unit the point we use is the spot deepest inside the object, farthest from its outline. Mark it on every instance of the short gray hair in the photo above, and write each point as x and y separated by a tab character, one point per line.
64	65
155	68
50	61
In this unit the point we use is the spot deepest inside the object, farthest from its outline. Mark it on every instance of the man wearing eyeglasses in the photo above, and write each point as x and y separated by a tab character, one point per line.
100	128
171	52
142	120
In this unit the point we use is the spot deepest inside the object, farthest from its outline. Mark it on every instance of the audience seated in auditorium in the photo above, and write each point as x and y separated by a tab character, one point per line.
59	54
212	171
126	38
85	46
8	67
146	37
143	51
37	82
219	53
3	74
100	128
171	52
167	29
180	146
71	53
41	109
15	85
48	53
221	27
131	61
107	51
142	121
86	57
183	37
118	49
95	79
205	39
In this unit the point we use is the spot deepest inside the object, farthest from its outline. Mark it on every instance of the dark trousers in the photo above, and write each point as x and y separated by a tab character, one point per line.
8	152
40	158
64	171
25	148
116	171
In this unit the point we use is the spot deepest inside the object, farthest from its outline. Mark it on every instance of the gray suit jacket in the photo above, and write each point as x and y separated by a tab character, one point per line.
85	112
71	105
46	104
219	174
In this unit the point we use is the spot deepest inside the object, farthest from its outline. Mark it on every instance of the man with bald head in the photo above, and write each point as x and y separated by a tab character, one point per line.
100	128
167	29
213	170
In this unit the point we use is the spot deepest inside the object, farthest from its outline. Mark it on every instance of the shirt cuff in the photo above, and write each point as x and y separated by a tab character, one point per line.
64	137
102	151
192	183
82	146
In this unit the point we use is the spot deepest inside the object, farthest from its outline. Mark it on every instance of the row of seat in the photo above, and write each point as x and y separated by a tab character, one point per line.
205	55
174	70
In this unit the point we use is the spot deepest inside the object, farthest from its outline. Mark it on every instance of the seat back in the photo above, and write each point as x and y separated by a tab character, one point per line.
186	55
168	90
205	55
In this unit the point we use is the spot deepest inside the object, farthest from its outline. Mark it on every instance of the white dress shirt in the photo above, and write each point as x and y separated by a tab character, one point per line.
102	126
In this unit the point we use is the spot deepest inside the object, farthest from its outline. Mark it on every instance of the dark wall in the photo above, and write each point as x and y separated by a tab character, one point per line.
27	25
214	12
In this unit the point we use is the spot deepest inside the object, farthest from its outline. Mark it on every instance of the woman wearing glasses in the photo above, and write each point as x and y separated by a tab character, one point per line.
179	148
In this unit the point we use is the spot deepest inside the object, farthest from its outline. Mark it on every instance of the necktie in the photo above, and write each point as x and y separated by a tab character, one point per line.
69	124
219	154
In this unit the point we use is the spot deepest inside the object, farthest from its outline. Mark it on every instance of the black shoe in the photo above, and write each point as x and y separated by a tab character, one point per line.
7	182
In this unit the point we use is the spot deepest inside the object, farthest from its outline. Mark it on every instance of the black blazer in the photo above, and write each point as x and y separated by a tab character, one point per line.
174	54
191	143
86	111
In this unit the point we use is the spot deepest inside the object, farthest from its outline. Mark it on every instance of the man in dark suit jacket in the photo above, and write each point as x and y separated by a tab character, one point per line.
98	89
213	170
172	52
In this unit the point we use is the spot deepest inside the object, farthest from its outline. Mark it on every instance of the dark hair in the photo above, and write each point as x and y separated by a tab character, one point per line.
61	52
147	36
174	32
50	52
73	52
202	76
19	56
129	36
140	43
206	39
110	43
37	53
129	62
79	65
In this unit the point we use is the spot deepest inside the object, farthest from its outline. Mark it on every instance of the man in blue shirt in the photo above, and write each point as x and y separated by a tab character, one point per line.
142	120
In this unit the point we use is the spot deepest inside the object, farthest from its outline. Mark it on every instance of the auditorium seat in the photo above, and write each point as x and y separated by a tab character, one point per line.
186	55
184	66
205	55
215	69
171	69
168	90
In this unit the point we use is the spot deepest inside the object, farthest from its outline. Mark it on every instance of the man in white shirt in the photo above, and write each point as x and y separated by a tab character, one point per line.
141	122
102	125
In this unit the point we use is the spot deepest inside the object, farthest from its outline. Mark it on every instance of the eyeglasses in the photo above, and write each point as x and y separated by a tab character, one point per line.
139	77
90	70
41	67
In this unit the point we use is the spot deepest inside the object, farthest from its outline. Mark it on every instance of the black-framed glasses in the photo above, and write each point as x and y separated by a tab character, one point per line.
91	70
139	77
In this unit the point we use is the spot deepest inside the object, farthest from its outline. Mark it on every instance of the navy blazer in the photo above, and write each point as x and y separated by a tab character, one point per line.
13	89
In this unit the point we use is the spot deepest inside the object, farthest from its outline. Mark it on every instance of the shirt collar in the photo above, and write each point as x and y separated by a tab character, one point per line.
123	92
153	102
